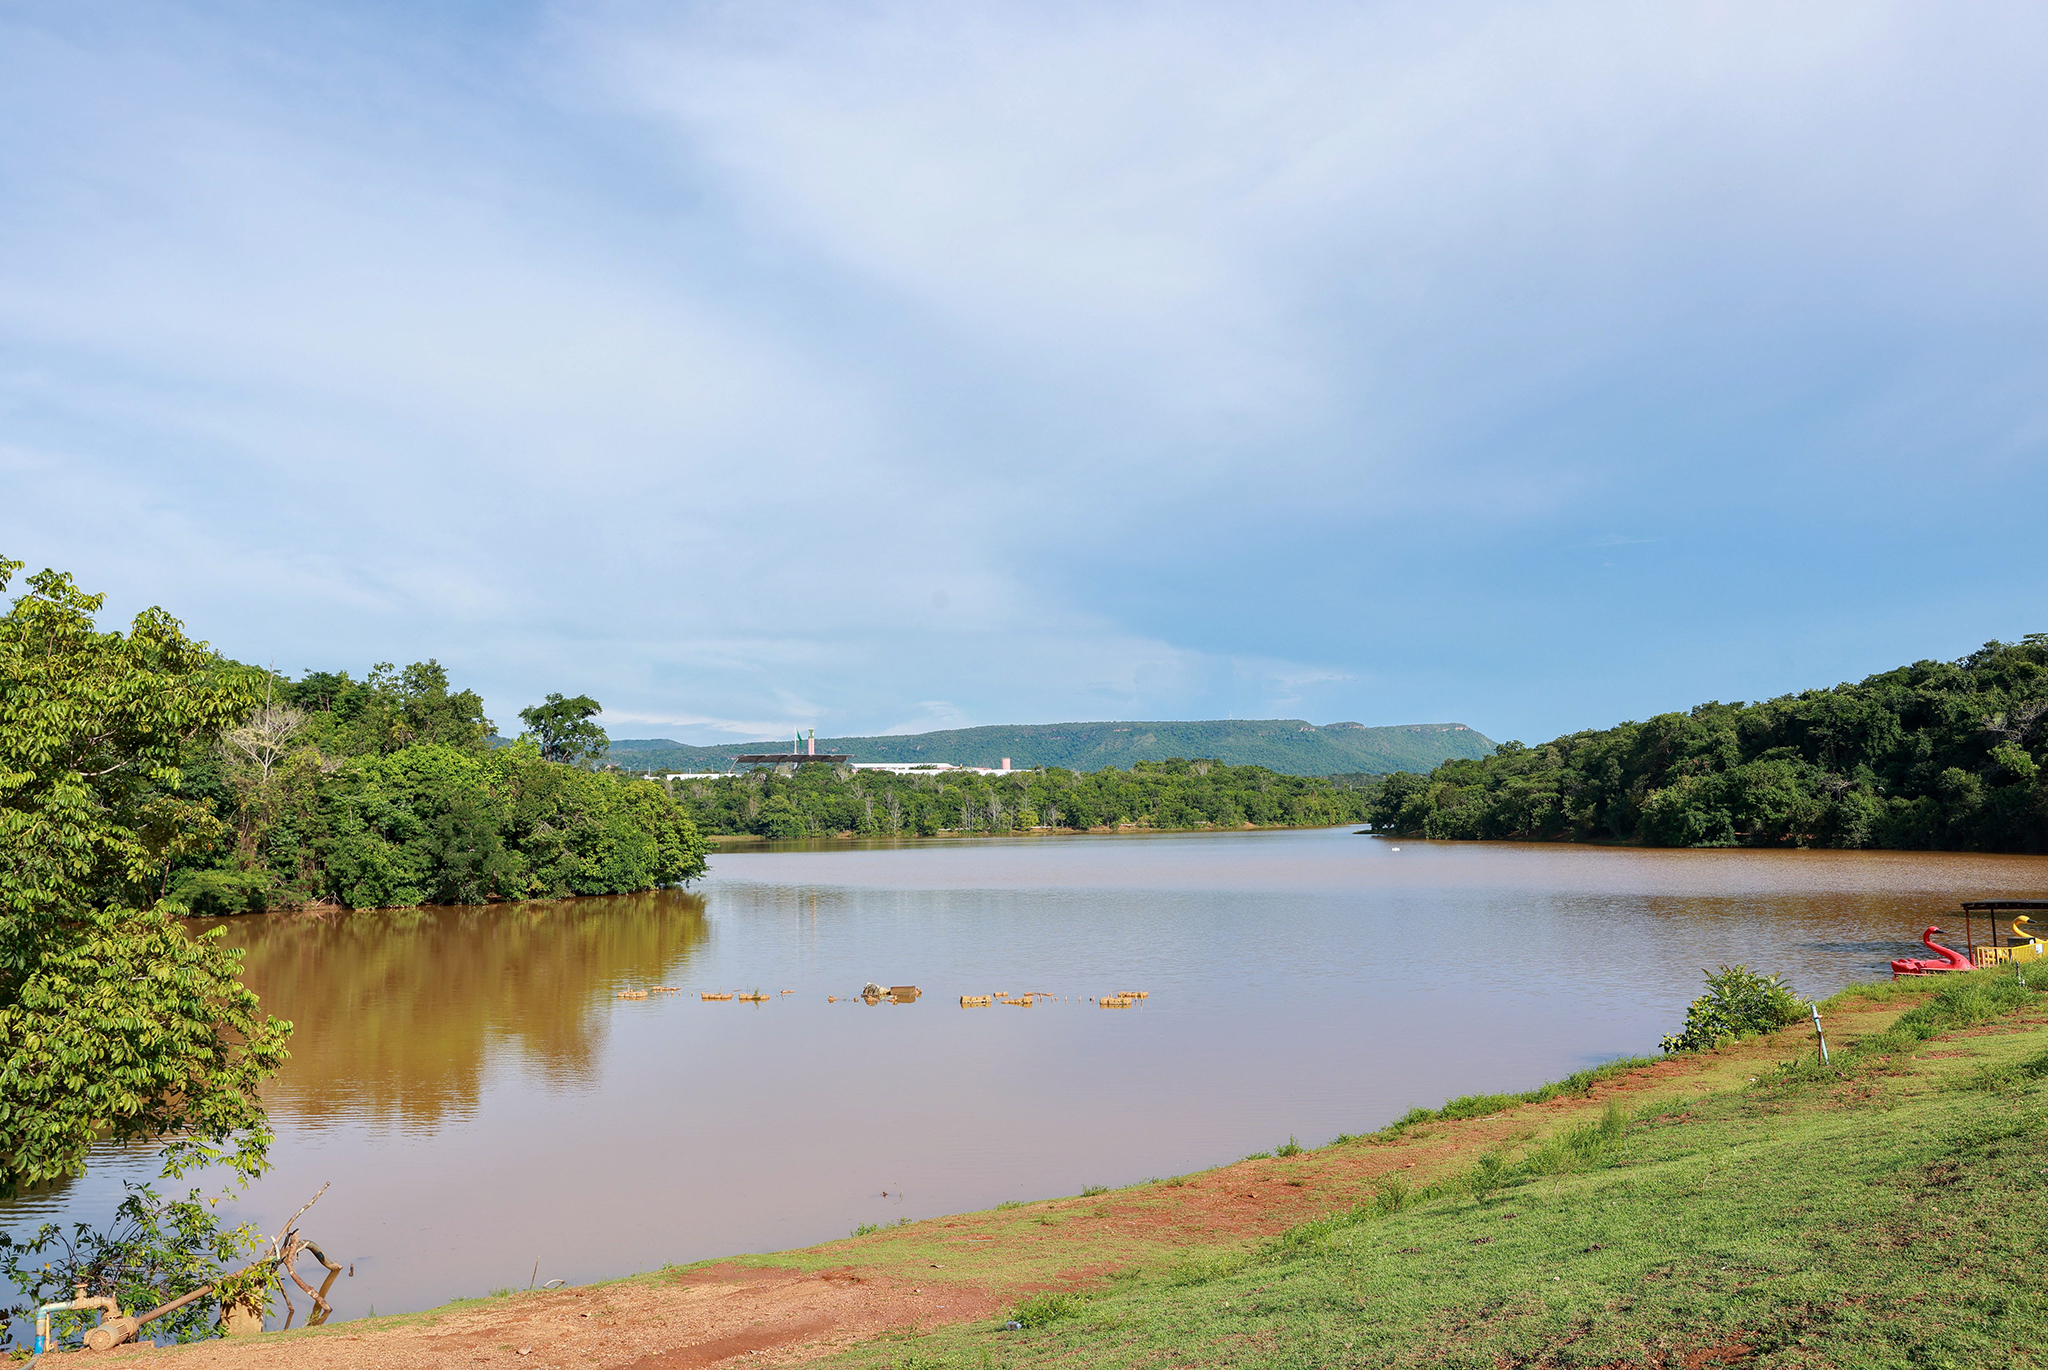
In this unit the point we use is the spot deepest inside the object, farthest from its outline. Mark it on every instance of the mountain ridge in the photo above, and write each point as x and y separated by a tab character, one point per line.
1291	746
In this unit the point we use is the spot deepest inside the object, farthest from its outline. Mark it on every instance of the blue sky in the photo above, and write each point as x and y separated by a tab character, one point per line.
874	367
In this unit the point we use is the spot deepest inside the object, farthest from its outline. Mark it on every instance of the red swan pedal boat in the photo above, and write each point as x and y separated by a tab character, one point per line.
1951	959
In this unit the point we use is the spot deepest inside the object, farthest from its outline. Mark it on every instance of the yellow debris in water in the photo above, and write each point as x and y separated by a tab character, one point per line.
709	995
976	1000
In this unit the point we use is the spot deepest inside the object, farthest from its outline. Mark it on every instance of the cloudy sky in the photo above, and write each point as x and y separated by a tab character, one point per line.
879	366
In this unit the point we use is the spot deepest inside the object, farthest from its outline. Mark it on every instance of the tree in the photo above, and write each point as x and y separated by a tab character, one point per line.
114	1024
563	730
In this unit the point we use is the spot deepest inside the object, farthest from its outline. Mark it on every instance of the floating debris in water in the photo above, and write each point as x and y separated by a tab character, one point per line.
709	995
976	1000
751	998
1134	994
632	994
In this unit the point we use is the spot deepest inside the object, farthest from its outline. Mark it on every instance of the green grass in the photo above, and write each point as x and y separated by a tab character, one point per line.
1576	1085
1891	1210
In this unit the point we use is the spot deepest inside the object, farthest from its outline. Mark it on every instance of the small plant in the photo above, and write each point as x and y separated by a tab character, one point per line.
1089	1191
1260	1156
1177	1182
1488	1174
1290	1148
1045	1309
1393	1196
865	1230
1738	1002
1010	1203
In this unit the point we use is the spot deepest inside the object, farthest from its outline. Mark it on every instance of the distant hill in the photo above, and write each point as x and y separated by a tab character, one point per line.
1287	745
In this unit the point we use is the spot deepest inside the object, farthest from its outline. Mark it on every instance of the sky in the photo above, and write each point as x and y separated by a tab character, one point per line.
875	367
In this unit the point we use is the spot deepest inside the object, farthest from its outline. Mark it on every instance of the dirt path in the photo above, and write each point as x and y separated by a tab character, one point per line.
801	1304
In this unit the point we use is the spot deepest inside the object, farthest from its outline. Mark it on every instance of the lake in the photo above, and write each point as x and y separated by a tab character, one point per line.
484	1104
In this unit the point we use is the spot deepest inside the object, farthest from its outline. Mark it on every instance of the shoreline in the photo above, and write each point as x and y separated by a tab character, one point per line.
950	1282
952	834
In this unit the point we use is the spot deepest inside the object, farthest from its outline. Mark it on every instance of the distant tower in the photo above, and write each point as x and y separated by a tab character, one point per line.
812	748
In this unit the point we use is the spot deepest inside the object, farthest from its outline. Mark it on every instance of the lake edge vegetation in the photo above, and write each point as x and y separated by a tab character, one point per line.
1939	756
144	777
821	800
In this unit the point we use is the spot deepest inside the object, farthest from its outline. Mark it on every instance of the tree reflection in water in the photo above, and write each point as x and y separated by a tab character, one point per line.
395	1010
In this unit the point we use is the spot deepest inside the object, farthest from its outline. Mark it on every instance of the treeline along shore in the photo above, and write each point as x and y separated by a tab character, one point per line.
392	791
823	800
1932	756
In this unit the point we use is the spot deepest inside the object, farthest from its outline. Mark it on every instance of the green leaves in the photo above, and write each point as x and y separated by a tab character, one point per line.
562	729
442	825
1935	755
1738	1002
153	1251
113	1022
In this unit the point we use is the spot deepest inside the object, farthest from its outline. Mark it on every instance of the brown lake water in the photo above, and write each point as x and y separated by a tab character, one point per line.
482	1101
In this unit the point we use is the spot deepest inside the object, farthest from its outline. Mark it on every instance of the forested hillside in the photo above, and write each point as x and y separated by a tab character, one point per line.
1944	755
820	800
1286	745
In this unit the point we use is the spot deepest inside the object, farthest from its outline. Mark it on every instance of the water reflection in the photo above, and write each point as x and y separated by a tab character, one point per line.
397	1011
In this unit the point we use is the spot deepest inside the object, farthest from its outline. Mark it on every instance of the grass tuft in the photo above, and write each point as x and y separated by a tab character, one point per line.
1042	1310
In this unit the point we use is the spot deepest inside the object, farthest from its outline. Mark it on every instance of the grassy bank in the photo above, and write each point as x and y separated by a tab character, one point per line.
1891	1210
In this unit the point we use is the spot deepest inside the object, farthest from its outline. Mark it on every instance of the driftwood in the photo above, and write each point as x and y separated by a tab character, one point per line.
283	1249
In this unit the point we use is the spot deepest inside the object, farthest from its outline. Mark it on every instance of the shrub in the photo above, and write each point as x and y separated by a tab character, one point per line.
1488	1174
152	1252
1738	1002
1044	1309
1292	1148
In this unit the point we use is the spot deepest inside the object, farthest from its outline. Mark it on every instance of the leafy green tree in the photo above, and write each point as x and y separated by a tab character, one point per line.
388	710
114	1024
562	729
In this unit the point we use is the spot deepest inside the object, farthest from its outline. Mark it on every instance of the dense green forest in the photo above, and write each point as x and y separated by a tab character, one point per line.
388	791
820	800
1936	755
1287	745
